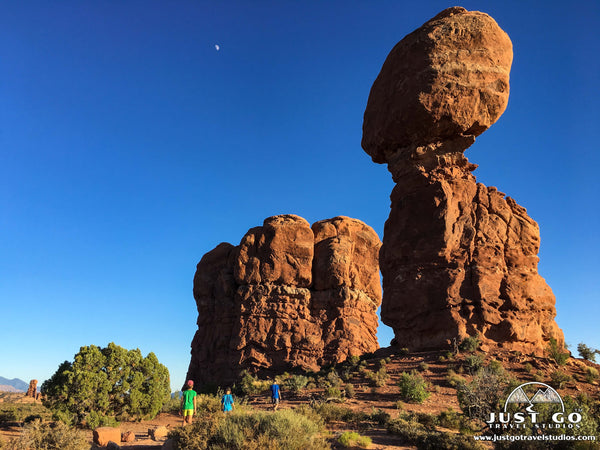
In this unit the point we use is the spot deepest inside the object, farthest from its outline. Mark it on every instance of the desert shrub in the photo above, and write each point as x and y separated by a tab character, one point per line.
10	415
353	360
586	352
296	383
453	379
403	351
482	395
334	413
450	419
346	374
197	435
413	388
281	429
416	434
172	405
112	381
353	439
555	352
423	367
528	367
379	416
251	385
473	363
496	367
558	379
32	418
349	391
379	378
38	435
333	379
591	374
469	344
332	392
259	430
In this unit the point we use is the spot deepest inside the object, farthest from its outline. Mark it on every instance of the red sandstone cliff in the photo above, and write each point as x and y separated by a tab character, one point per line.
288	296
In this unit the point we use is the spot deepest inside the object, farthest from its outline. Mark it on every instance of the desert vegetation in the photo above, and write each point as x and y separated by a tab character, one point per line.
105	385
428	400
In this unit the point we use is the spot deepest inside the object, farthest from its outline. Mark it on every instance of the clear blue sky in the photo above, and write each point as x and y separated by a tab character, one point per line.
130	146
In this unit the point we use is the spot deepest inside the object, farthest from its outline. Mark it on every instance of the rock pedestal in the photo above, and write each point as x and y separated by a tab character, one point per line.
458	258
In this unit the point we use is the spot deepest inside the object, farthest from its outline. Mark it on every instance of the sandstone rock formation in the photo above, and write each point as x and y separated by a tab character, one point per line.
458	258
32	389
287	296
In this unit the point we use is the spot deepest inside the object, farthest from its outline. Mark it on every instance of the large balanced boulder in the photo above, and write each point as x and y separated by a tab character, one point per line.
458	258
288	296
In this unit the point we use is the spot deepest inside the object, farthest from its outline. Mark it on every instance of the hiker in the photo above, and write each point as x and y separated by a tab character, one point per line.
227	401
275	394
188	403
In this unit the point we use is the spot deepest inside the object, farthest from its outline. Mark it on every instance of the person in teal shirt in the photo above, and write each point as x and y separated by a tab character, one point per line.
188	403
227	401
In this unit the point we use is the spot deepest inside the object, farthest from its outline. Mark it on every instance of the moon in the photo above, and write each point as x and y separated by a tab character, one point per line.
217	47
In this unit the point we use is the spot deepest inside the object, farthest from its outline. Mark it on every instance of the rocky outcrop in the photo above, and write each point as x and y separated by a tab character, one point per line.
289	295
32	389
458	258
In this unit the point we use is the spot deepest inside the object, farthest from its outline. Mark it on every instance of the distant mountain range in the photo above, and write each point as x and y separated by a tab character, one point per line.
16	385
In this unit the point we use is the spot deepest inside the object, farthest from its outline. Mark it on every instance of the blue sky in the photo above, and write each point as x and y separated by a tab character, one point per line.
130	146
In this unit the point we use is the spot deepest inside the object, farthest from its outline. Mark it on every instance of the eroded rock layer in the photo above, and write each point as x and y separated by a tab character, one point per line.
458	258
287	296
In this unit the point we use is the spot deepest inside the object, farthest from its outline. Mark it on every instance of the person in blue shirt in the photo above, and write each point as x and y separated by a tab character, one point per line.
227	401
275	394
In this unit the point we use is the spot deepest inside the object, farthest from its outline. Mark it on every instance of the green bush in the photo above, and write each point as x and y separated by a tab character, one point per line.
591	374
473	363
281	429
555	352
353	360
453	379
413	388
38	435
558	379
379	378
482	395
332	392
586	352
469	344
528	367
496	367
10	415
423	367
418	435
112	382
450	419
349	391
333	379
94	420
251	385
353	439
296	383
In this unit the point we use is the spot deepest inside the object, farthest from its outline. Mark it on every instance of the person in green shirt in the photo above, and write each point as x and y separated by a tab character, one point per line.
188	403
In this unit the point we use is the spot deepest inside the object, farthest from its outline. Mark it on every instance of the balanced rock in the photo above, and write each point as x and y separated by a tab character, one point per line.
458	258
287	296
